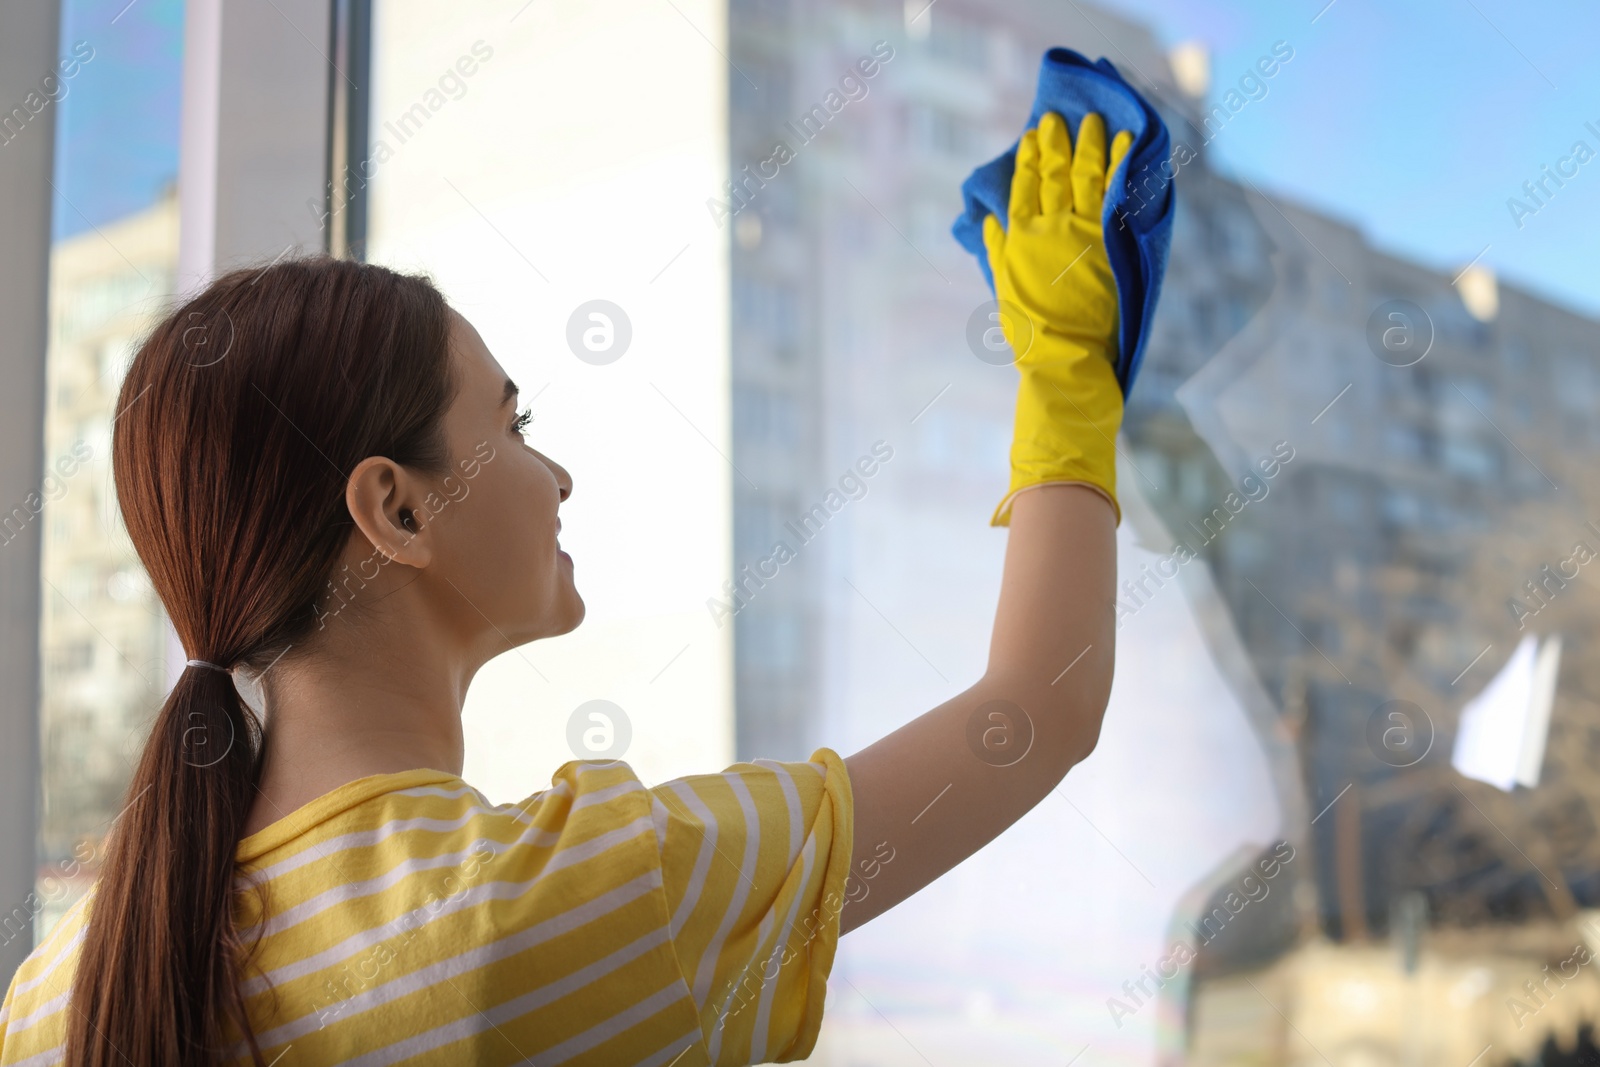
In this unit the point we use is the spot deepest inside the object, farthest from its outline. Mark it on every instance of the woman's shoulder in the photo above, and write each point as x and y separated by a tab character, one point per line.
384	819
31	1019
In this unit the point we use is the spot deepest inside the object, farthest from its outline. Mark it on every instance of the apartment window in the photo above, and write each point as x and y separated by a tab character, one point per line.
1470	458
958	40
1335	293
1405	442
769	642
1402	508
764	99
1475	391
73	657
765	308
1577	383
765	13
1522	408
938	131
756	523
1236	237
768	417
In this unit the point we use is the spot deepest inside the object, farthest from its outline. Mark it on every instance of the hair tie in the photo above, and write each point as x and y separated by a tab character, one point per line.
208	663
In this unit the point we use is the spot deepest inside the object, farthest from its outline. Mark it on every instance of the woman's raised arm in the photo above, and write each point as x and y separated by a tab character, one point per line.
936	790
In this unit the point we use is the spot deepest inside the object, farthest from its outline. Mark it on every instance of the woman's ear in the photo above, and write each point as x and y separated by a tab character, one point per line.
385	500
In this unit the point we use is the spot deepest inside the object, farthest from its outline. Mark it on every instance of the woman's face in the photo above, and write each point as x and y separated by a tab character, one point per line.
495	541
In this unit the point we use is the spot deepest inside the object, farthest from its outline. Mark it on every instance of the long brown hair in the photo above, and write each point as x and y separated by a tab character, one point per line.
238	422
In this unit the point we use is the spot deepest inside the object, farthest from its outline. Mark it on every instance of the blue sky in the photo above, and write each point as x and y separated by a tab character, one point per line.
1417	120
117	130
1414	120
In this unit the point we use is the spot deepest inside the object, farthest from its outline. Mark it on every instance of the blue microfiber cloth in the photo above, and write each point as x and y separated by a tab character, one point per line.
1138	213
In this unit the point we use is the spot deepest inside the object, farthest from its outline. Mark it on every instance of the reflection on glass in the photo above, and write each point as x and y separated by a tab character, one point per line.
103	637
1340	481
1353	486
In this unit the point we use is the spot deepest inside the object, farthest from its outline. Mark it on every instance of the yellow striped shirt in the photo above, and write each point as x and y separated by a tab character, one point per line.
408	920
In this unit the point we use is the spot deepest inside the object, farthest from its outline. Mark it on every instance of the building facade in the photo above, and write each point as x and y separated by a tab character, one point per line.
103	633
1415	495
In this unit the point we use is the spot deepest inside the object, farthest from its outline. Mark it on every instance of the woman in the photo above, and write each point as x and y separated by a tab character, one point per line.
342	509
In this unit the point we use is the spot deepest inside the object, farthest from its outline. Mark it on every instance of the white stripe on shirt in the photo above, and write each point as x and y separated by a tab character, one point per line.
618	1023
674	1051
697	875
341	894
38	1015
758	1038
365	838
38	979
706	972
472	959
504	1012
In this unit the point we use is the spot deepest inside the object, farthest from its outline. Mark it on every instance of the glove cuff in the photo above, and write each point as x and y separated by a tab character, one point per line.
1002	513
1068	413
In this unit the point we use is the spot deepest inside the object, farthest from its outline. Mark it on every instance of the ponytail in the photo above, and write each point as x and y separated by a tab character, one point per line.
162	914
230	473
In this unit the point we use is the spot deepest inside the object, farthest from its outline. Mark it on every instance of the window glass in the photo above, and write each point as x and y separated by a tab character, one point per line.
1342	808
103	635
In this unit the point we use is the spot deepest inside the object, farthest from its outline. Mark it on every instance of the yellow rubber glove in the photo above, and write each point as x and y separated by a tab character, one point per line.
1058	308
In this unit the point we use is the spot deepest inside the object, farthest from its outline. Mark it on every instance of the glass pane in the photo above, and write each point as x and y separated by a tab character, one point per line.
589	265
1281	851
103	635
1341	809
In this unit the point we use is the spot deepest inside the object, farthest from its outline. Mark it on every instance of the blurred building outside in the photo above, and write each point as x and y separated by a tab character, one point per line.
103	634
1377	565
1416	503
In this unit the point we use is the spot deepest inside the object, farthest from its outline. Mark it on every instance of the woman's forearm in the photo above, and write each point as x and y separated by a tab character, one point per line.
948	782
1054	628
979	762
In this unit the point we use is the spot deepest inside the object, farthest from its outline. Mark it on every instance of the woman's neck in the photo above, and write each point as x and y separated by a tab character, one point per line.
341	714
